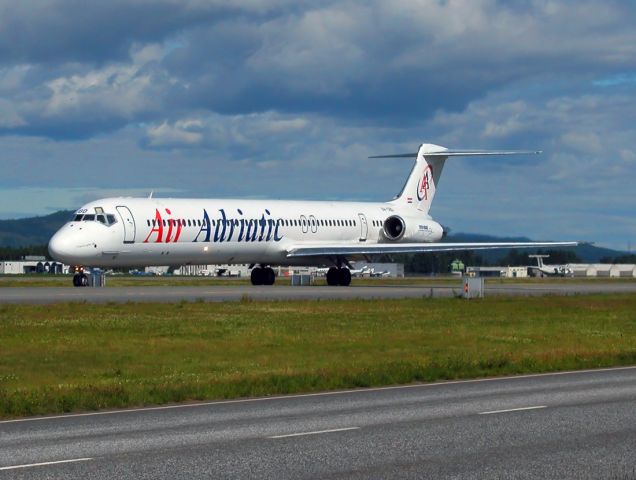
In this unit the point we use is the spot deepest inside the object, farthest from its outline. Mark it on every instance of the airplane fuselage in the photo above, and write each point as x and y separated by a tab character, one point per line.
146	231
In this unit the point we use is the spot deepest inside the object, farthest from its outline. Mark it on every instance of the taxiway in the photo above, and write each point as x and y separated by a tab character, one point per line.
44	295
562	425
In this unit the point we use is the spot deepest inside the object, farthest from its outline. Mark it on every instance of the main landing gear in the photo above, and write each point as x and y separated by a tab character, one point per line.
263	276
338	276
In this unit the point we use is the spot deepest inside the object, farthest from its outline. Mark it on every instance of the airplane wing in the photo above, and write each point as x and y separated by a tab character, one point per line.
330	250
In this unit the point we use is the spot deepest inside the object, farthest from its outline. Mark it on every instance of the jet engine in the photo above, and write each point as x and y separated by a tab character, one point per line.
411	230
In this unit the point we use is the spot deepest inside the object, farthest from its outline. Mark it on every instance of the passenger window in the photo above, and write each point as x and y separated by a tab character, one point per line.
148	222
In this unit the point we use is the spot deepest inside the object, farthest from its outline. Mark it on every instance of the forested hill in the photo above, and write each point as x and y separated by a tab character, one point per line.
31	231
585	253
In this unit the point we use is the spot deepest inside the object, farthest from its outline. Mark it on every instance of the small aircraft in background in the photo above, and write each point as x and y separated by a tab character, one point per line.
544	270
355	272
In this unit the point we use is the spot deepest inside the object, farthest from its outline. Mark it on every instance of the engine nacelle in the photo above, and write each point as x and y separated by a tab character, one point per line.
411	230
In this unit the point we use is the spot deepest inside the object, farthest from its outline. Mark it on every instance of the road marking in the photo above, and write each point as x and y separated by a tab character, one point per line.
317	432
317	395
29	465
513	410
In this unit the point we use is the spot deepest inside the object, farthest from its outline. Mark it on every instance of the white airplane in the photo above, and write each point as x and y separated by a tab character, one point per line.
542	269
114	232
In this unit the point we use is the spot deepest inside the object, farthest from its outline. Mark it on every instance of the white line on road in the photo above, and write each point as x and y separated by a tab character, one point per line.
319	394
29	465
513	410
317	432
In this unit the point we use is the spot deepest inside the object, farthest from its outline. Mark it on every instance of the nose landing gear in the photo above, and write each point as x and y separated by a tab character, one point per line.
80	279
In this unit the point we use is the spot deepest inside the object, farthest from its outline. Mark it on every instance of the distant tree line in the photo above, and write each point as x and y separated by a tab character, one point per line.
629	258
17	253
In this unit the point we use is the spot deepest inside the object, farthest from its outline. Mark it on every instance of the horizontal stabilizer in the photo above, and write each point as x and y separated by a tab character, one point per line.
323	250
461	153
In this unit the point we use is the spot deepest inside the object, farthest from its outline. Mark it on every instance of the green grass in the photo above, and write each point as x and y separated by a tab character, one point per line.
69	357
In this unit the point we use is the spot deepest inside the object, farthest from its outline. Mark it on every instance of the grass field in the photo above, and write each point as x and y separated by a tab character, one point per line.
69	357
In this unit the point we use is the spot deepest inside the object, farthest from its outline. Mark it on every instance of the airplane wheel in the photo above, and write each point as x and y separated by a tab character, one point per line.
345	277
257	276
333	277
77	280
269	277
84	280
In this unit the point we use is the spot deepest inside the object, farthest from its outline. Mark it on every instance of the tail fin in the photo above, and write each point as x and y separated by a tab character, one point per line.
421	184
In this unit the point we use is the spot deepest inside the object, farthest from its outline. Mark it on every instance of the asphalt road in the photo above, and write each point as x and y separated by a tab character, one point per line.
239	292
569	425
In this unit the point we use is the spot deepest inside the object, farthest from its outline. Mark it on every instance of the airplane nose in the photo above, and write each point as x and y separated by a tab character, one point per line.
60	246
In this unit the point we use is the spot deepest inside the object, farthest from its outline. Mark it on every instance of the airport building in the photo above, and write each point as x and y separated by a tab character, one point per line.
360	269
603	270
589	270
504	272
210	270
20	267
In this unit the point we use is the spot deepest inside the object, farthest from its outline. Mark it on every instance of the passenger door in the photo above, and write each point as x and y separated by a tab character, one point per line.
129	223
364	227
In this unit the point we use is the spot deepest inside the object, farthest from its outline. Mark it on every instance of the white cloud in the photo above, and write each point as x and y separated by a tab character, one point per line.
176	135
120	89
218	132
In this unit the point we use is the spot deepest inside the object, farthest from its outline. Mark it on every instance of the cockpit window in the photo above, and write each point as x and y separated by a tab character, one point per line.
105	219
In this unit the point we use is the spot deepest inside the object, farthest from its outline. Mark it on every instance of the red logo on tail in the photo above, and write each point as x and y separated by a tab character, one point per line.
425	183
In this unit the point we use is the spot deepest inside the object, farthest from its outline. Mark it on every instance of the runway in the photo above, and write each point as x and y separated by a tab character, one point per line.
45	295
564	425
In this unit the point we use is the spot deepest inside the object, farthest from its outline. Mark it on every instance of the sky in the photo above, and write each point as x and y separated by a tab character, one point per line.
287	99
